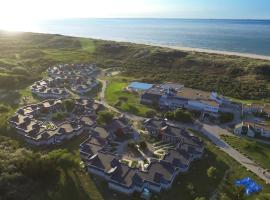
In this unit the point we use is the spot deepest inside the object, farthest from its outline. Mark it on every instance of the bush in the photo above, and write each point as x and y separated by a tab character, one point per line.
105	117
226	117
143	145
169	115
69	104
125	99
182	116
212	172
150	114
4	109
58	116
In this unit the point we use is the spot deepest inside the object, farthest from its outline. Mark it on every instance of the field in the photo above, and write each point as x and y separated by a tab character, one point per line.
255	150
126	101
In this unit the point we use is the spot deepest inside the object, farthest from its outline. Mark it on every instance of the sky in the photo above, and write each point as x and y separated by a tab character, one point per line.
26	12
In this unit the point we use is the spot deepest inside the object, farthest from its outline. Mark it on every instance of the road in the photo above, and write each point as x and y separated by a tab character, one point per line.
213	132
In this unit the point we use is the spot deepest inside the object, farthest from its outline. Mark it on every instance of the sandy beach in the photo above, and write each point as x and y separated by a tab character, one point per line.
247	55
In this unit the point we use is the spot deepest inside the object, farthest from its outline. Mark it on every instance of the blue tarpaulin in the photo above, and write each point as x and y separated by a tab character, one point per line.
249	185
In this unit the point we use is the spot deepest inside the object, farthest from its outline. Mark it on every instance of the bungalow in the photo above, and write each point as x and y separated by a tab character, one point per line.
252	129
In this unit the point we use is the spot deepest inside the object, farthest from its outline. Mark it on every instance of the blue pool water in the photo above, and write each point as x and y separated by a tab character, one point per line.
140	86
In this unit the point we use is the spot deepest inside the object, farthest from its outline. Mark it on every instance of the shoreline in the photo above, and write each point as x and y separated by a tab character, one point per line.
190	49
180	48
220	52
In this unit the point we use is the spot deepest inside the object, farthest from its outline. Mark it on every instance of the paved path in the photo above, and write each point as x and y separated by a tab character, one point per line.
214	133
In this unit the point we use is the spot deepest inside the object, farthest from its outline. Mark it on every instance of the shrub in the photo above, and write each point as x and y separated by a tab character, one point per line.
226	117
212	172
125	99
143	145
182	116
105	117
58	116
69	104
4	109
150	114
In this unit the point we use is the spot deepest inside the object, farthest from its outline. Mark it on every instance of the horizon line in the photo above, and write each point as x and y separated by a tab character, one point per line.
184	18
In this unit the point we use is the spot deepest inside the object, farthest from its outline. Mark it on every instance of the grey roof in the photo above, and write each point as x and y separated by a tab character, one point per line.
104	161
178	158
123	175
102	132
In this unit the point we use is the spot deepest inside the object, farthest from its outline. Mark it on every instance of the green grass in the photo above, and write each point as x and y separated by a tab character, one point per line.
257	151
67	56
88	45
115	89
236	171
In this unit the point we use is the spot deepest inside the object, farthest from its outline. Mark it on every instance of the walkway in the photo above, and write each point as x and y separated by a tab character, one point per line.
214	133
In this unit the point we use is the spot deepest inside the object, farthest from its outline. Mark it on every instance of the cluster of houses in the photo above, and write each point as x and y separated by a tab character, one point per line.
172	96
64	78
159	174
259	128
36	123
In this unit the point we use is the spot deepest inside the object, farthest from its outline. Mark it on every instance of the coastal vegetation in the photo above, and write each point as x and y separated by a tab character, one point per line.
31	53
257	151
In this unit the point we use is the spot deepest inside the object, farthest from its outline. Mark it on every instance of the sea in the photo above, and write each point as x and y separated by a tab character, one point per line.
243	36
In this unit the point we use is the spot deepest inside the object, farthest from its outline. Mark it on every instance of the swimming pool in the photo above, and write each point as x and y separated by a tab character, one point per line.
139	86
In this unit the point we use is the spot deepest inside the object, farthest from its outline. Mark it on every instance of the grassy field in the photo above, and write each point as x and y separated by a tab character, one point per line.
255	150
115	90
236	171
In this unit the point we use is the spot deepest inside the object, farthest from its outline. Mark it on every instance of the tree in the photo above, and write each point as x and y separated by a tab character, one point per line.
190	188
169	115
226	117
200	198
143	145
69	104
182	116
105	117
212	172
150	114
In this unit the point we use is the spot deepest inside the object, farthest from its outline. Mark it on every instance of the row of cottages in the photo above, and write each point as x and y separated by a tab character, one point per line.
84	87
253	129
76	76
160	129
38	132
159	175
49	93
169	97
71	69
256	108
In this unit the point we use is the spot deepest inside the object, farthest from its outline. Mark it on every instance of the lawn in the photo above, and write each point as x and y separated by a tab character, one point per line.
257	151
115	91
